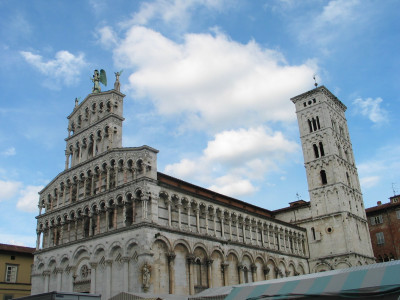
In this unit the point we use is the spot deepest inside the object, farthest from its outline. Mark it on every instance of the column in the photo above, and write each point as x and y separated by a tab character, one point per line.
224	268
206	216
179	204
124	214
69	230
100	180
251	232
237	229
64	194
230	227
46	275
90	224
171	271
76	229
209	272
115	216
59	274
107	218
144	208
241	273
116	176
125	175
134	211
254	272
49	237
62	232
266	271
58	198
268	241
84	188
66	159
108	278
92	186
190	260
93	267
108	179
188	209
125	261
70	193
98	221
262	235
215	222
222	226
37	239
168	202
244	230
198	219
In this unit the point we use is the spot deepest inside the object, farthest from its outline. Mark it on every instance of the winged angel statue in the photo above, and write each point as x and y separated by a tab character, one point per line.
97	78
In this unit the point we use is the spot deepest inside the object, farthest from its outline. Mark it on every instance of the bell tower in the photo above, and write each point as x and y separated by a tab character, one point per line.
335	219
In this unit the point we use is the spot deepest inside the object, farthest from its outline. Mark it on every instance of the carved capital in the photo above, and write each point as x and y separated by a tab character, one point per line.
190	259
171	256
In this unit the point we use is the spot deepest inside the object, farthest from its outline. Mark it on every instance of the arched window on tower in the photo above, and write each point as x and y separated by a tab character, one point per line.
314	122
318	125
323	177
309	125
348	179
316	154
321	149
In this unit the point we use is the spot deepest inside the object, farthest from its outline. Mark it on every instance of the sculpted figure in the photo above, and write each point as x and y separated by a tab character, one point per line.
97	78
146	271
117	84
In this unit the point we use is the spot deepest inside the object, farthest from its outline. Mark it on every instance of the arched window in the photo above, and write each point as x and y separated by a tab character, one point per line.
316	154
309	125
313	232
323	177
314	122
318	125
321	149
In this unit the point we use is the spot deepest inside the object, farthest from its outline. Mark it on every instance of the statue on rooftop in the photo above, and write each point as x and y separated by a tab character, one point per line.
117	84
97	79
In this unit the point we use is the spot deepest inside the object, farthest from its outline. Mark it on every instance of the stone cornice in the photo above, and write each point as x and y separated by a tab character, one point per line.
325	91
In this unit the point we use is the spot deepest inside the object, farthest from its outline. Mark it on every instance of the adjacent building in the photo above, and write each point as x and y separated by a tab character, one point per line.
384	227
110	222
15	269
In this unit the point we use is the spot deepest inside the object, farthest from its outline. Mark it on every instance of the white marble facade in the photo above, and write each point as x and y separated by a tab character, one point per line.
111	223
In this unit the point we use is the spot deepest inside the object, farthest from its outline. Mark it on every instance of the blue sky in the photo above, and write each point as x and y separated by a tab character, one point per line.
207	83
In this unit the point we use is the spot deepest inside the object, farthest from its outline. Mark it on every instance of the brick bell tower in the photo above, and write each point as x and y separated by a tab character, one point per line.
335	218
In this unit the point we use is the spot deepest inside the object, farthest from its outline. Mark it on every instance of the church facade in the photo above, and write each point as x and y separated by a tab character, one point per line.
110	222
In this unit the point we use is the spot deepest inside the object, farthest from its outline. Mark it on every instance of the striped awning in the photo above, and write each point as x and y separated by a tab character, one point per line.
357	282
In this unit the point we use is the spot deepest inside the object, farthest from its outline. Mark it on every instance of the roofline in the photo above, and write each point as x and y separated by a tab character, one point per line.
17	249
223	199
322	89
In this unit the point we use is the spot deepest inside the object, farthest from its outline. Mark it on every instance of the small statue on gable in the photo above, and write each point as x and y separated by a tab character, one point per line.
117	84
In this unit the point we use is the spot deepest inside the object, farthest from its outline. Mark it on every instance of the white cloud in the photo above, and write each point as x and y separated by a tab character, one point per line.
368	182
107	37
64	68
9	189
28	200
245	154
210	80
372	109
172	11
338	19
9	152
383	167
233	185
